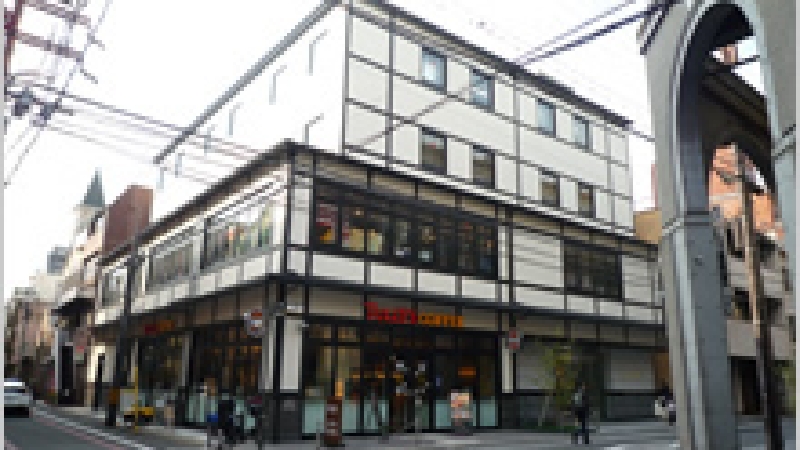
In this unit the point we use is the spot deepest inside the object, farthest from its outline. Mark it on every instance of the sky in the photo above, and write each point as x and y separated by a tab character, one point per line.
169	60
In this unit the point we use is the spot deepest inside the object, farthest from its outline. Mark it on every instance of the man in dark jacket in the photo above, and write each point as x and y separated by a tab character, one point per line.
580	407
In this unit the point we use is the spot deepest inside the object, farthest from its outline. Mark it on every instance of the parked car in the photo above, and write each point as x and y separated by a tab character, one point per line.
17	396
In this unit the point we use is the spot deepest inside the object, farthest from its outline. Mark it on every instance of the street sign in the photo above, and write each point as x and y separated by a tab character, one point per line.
254	323
514	340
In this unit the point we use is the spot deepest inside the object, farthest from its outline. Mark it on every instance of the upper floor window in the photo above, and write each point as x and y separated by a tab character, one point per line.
481	89
433	68
591	271
482	166
549	188
114	286
433	151
171	260
585	200
546	117
403	235
580	132
237	233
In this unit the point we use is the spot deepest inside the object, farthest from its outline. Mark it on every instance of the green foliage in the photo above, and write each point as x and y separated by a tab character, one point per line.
559	360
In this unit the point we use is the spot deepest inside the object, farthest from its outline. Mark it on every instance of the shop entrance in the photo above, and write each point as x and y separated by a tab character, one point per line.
399	377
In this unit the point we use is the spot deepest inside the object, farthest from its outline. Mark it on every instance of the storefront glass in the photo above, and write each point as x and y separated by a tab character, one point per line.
397	377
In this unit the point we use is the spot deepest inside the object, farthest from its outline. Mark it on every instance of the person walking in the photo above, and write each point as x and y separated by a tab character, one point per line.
580	407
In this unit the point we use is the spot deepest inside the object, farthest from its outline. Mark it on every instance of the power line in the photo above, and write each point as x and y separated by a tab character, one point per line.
89	41
526	61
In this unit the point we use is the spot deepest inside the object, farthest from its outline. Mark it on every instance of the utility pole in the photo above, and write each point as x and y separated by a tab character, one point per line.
761	325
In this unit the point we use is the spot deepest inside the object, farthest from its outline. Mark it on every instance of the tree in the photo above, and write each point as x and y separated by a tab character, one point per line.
558	378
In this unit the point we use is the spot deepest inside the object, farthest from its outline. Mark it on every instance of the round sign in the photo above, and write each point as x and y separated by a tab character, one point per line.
514	340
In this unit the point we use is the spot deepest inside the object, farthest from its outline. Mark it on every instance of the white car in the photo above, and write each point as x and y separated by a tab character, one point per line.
17	396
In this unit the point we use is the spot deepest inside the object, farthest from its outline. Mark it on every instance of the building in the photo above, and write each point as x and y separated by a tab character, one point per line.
30	330
56	258
507	209
97	227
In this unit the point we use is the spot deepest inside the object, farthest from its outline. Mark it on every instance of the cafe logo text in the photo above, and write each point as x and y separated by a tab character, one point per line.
410	317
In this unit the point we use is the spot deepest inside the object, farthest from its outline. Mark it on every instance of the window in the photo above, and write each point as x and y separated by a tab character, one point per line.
482	166
481	89
546	117
235	233
433	68
585	200
403	235
171	260
114	286
591	271
549	188
433	152
580	132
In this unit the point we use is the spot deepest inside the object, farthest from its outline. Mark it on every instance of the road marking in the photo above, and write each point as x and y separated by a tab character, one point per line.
83	437
10	446
98	433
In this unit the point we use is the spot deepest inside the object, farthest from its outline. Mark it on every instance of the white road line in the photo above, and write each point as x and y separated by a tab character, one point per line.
98	433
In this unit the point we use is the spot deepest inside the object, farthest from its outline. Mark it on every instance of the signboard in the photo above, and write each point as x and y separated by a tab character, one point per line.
161	326
514	339
254	323
410	317
333	422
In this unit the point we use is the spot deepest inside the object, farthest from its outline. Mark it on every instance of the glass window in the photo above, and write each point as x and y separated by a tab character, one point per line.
466	246
585	200
482	89
402	239
433	153
487	250
353	221
326	222
580	131
549	188
427	243
482	166
378	234
447	250
591	271
433	68
546	117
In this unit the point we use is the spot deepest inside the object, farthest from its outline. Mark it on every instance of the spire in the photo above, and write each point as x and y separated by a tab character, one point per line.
94	195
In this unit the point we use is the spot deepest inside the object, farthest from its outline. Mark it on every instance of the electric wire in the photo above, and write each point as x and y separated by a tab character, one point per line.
583	40
62	91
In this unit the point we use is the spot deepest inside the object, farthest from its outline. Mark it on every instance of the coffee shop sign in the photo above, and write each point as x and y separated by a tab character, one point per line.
410	317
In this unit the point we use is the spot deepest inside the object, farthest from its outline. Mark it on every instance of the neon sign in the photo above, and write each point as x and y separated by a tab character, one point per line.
408	316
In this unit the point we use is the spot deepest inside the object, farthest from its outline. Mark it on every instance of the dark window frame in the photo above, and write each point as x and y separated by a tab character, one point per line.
491	158
438	135
430	52
490	89
583	212
578	121
541	103
553	175
592	271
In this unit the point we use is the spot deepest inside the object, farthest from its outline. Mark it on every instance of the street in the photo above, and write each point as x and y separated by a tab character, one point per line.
56	429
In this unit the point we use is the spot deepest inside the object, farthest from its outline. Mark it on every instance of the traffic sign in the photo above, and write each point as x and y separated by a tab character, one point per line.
514	339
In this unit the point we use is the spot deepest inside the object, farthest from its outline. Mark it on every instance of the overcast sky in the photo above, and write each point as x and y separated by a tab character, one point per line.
170	59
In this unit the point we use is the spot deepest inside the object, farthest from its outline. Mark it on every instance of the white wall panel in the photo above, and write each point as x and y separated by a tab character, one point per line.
613	309
436	282
564	125
628	369
368	84
459	159
569	195
387	275
362	125
602	204
297	261
481	289
256	267
228	276
406	144
541	326
639	313
504	99
407	57
564	158
537	298
580	304
599	140
506	174
292	354
527	109
529	182
623	210
620	180
339	268
618	147
336	303
458	78
370	41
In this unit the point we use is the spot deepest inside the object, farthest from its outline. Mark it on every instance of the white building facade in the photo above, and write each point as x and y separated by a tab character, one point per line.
405	241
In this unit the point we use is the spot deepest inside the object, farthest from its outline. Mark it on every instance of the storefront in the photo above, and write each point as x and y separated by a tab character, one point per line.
398	368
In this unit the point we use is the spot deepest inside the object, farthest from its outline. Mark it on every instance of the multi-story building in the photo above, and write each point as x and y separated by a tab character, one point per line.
56	259
97	227
402	241
30	329
726	202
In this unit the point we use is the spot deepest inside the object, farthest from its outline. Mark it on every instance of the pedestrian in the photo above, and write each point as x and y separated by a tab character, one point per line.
580	408
669	403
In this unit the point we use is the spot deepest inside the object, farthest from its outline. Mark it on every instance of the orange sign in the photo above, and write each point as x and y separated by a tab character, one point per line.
411	317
